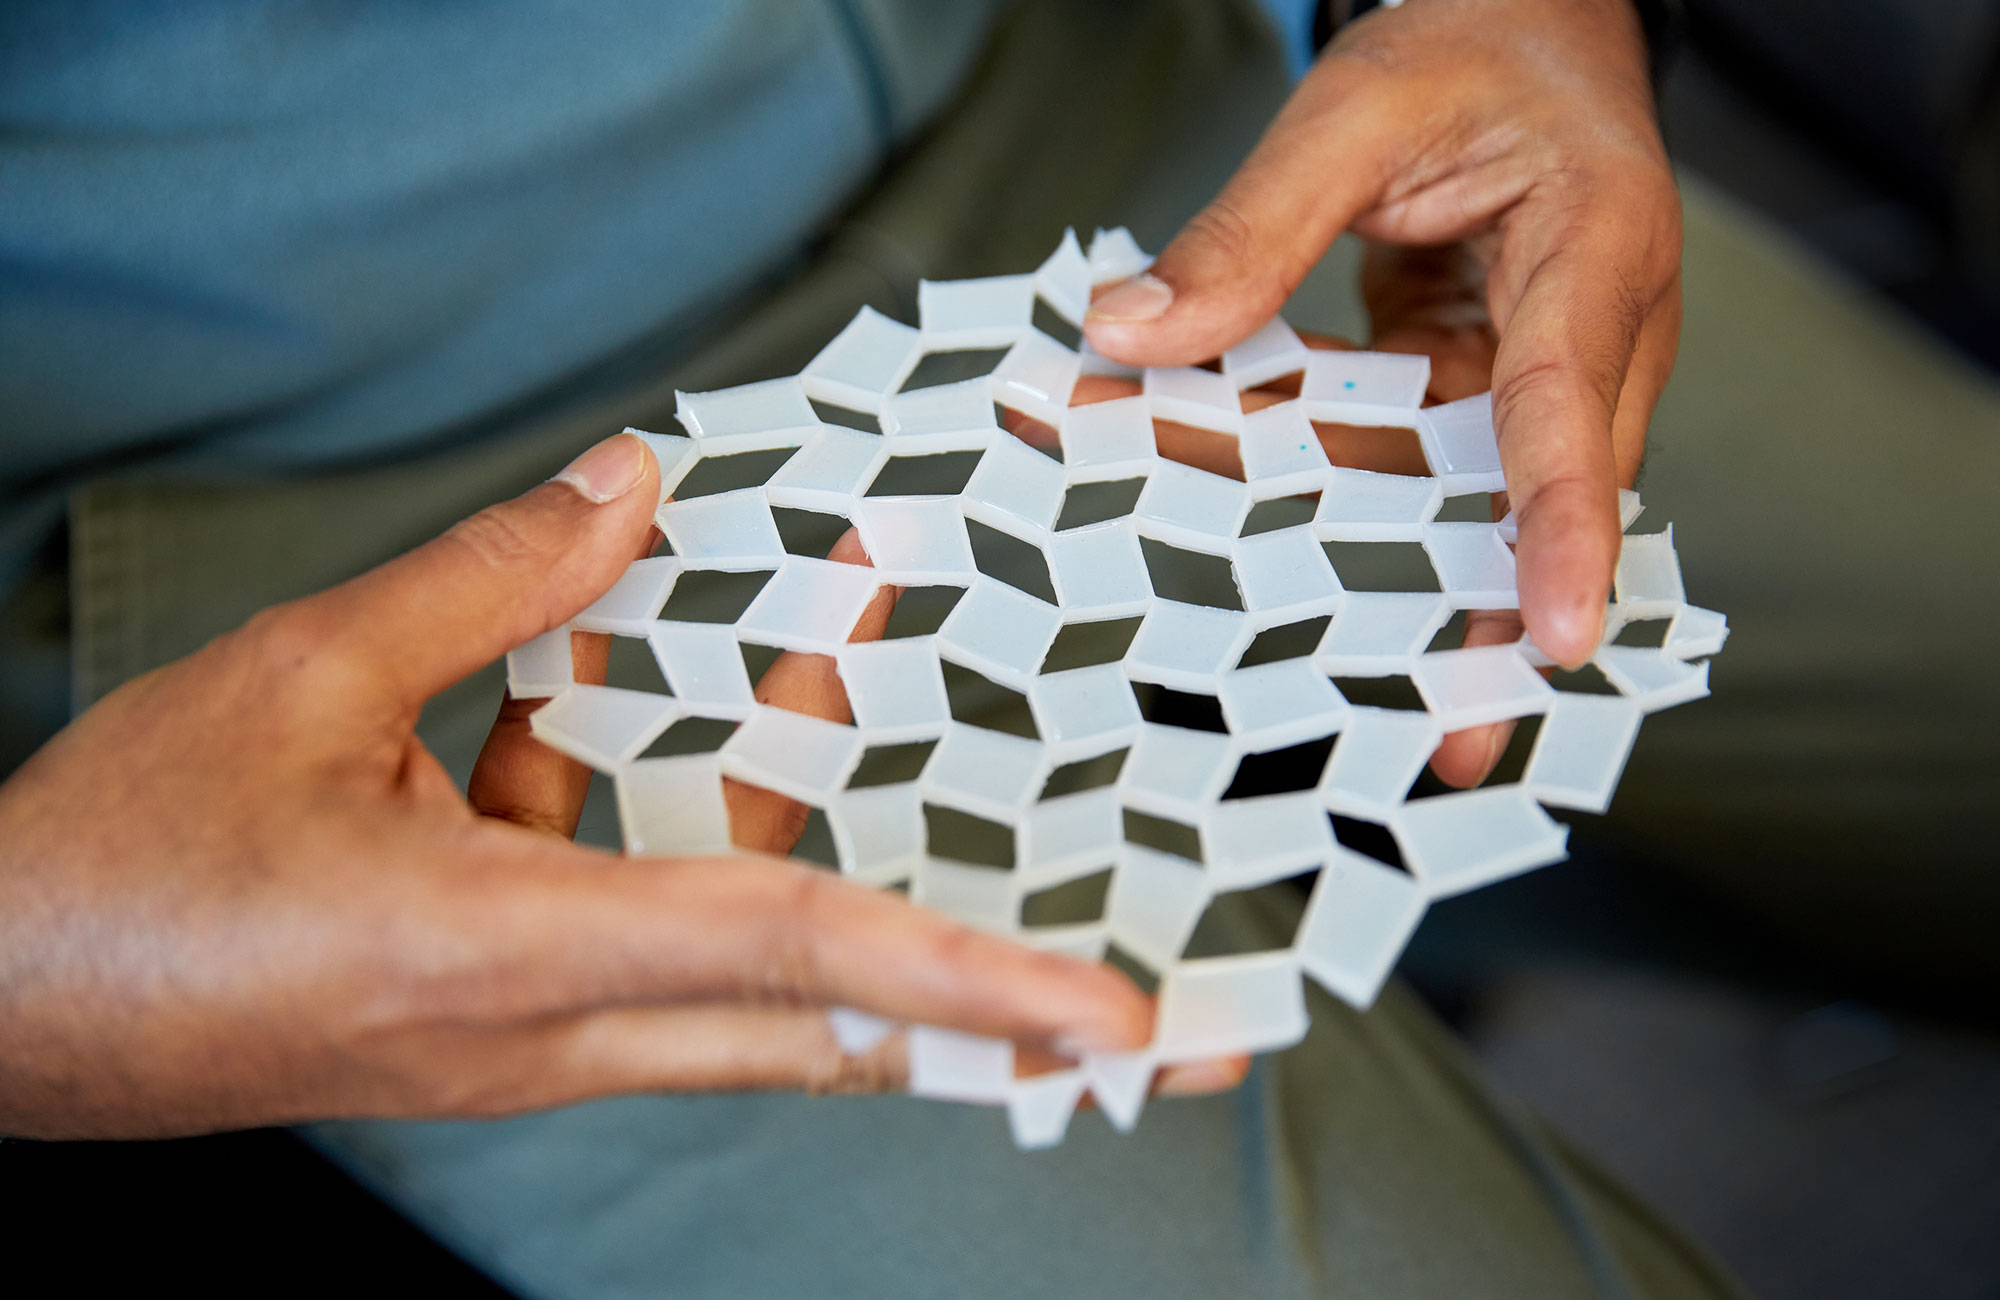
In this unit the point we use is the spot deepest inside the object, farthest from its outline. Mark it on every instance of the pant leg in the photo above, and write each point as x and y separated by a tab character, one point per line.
1830	473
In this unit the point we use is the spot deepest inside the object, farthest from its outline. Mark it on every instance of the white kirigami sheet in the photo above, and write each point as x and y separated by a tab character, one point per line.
1362	907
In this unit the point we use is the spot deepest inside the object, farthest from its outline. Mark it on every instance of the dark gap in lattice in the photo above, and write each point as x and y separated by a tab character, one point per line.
1587	680
808	532
661	546
816	841
921	611
1045	441
941	474
1085	774
1093	503
1451	636
1368	839
1173	708
962	837
710	596
1394	692
987	704
632	666
1084	645
844	417
1281	771
1161	833
690	736
1049	322
1074	902
1286	641
713	474
1466	508
757	659
1382	566
953	367
1019	564
1650	633
1191	577
1133	969
891	764
1279	512
1250	920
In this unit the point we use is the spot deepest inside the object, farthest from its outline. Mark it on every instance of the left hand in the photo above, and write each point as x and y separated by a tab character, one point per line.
1524	129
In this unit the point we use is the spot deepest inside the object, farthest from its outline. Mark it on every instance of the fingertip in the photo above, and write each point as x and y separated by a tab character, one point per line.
1203	1078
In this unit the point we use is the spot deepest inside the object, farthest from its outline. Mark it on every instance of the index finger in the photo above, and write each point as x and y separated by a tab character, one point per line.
1566	349
633	931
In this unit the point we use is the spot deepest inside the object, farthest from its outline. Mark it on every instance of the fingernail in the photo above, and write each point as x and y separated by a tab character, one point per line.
1141	298
1199	1078
607	471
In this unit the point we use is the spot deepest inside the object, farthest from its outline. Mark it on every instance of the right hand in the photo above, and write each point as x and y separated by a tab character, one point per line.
239	891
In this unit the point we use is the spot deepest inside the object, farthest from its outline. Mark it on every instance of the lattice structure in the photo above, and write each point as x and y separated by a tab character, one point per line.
1363	907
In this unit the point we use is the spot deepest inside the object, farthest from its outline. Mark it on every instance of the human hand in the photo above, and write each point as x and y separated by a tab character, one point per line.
239	890
1524	128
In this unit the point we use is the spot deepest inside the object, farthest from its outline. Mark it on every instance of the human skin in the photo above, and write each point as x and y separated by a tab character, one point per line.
239	891
1524	133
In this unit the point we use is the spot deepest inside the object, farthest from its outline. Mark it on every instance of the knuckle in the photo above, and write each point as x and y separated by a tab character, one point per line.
1227	232
493	537
834	1073
788	969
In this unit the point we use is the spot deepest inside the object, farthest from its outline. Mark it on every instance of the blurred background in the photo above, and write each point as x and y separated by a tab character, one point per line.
1828	1133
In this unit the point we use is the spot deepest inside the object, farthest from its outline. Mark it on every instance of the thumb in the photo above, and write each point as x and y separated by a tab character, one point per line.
507	574
1322	163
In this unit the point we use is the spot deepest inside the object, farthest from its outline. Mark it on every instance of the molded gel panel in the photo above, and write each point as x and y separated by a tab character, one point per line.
1362	908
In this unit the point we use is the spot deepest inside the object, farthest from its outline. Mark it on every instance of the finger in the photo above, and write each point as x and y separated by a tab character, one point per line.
1465	758
1564	355
764	820
507	574
770	932
519	779
1325	159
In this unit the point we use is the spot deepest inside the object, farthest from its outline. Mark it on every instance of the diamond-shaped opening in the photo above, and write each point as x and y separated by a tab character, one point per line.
631	664
1650	633
690	736
757	659
816	841
1467	508
1093	503
1173	708
943	474
845	417
1048	321
1391	692
1074	902
1451	636
1280	771
1279	512
711	596
1286	641
962	837
1019	564
713	474
1368	838
1163	834
921	611
1085	645
1190	576
987	704
952	367
1587	680
808	532
1086	774
1237	923
1133	968
1382	566
891	764
1387	449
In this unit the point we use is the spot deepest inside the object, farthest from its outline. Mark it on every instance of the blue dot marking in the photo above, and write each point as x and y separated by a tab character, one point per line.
1348	384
